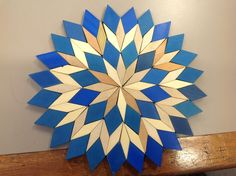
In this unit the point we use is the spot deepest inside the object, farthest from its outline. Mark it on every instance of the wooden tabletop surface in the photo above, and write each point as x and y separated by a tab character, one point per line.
199	154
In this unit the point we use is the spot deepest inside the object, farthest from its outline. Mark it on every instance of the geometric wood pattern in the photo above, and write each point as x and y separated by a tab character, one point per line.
121	89
199	154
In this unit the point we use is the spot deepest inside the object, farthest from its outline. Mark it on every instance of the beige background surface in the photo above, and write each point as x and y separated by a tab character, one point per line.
25	27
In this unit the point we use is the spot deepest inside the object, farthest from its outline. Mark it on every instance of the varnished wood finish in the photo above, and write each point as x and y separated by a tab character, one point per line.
199	154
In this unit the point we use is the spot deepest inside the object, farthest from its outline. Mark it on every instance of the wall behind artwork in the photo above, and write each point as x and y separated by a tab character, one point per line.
209	28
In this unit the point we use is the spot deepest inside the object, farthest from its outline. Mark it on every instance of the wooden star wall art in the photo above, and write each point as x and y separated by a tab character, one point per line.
119	89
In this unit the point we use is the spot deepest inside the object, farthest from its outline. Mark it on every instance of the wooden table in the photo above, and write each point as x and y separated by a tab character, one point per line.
199	154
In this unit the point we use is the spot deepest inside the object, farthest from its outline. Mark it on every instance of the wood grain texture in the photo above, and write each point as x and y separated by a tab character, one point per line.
199	154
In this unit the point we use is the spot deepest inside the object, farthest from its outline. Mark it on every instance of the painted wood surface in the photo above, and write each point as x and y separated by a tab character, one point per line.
199	154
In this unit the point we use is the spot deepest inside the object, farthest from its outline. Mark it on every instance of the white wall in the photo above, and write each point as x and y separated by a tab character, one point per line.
25	28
